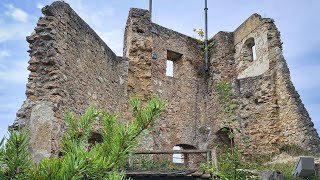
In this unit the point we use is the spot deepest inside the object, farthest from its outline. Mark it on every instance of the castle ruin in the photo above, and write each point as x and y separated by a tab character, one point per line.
71	68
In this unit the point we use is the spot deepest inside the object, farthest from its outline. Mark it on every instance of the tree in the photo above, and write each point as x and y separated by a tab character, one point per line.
14	155
80	160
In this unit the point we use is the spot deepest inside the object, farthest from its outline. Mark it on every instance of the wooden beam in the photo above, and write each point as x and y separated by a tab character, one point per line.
174	152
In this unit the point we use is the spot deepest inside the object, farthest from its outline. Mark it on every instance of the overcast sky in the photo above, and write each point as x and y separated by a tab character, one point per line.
298	21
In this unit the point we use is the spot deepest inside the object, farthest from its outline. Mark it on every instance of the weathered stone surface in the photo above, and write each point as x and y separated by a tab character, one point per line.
40	125
271	112
72	68
271	175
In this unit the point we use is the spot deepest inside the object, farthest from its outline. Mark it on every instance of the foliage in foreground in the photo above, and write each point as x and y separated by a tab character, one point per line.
14	156
148	162
79	160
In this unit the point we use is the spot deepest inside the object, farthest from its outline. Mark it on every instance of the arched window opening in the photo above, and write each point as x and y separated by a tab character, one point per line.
223	138
254	53
249	50
177	158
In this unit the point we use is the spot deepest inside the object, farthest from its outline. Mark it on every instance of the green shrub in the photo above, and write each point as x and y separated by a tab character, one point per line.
103	160
231	166
14	156
208	167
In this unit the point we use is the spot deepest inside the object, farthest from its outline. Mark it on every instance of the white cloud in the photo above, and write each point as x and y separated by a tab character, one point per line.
13	72
97	18
40	6
15	32
16	13
4	53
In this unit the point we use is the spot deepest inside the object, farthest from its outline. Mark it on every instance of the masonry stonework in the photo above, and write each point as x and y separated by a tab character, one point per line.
71	68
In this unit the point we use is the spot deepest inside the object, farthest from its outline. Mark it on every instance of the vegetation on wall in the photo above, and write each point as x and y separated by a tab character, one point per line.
226	99
200	38
230	163
79	159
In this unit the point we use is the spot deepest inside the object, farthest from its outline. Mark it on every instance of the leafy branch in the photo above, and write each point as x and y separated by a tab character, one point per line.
80	160
201	39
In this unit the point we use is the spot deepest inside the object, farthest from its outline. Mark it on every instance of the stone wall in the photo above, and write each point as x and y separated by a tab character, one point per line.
70	69
184	92
271	112
148	46
222	68
138	48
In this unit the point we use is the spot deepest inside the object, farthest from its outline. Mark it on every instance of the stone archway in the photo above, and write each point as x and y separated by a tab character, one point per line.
222	138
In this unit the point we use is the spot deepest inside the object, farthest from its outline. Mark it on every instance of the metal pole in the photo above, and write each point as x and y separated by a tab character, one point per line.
150	8
206	34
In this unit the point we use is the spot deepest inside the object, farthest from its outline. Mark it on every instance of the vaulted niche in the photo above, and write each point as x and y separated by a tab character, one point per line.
223	139
173	63
249	50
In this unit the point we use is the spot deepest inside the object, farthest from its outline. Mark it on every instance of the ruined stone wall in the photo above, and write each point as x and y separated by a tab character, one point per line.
184	92
70	69
295	123
271	113
148	46
138	48
222	68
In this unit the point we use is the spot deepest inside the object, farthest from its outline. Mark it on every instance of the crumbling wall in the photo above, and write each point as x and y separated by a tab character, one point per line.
222	68
70	69
138	48
184	92
148	46
271	113
295	122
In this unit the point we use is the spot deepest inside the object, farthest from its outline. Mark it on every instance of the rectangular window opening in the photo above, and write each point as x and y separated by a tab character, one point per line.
173	62
169	69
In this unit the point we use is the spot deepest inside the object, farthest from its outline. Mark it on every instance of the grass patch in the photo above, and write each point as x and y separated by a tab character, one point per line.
285	168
